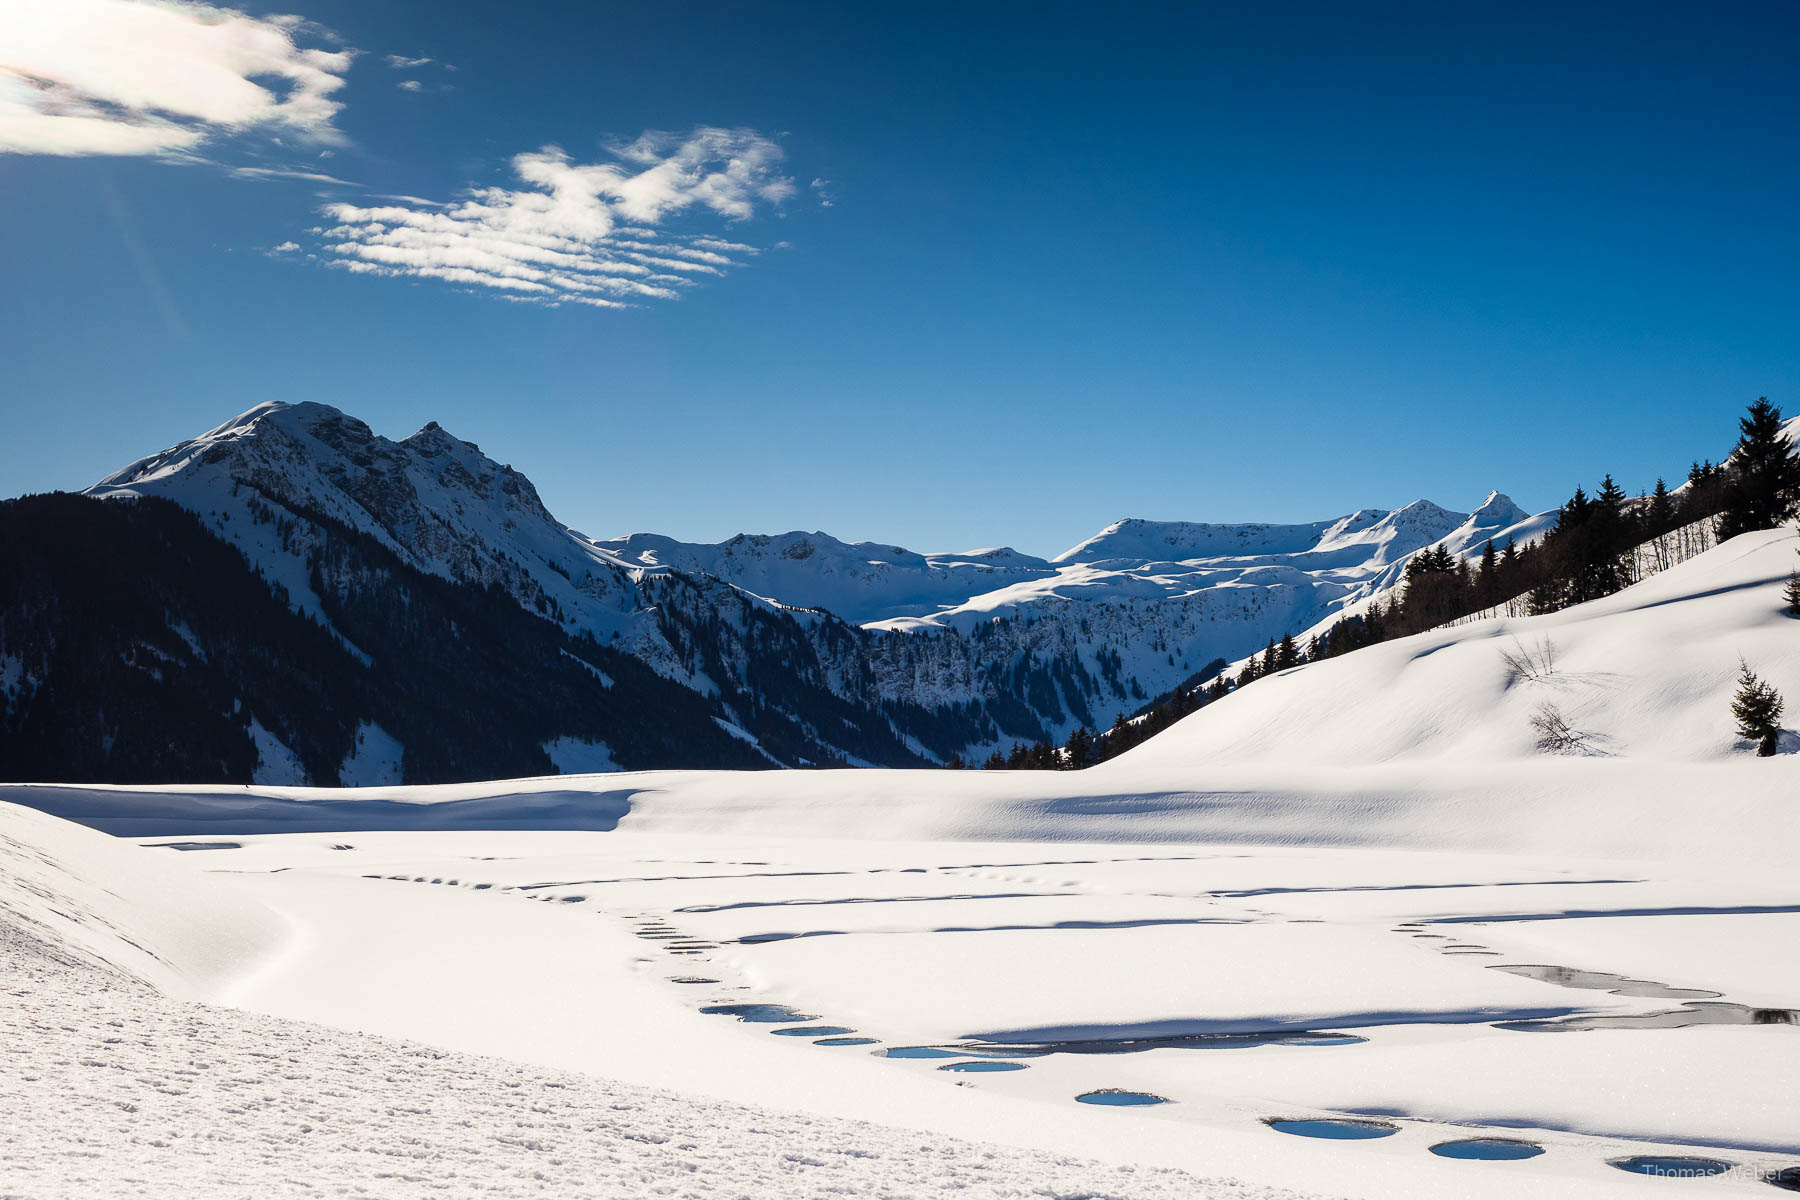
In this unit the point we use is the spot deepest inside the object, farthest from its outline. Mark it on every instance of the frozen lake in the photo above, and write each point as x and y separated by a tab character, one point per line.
1210	997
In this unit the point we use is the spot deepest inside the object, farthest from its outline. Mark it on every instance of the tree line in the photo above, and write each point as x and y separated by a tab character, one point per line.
1599	544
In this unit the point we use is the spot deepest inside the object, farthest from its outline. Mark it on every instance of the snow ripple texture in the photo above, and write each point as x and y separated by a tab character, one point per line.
112	1089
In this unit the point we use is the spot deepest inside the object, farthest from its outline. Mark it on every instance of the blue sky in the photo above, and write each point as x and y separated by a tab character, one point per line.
992	277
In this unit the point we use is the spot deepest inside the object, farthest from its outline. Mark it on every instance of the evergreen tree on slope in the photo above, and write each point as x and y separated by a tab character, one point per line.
1762	488
1757	709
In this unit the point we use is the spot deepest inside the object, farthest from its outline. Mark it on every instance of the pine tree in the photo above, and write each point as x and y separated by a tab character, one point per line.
1508	578
1657	522
1576	511
1565	554
1487	577
1610	537
1250	672
1757	709
1080	749
1287	654
1659	513
1375	623
1791	593
1762	488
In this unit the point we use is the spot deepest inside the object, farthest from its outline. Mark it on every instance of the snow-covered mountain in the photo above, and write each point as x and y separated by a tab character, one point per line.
887	587
438	502
1120	618
860	581
1295	575
802	647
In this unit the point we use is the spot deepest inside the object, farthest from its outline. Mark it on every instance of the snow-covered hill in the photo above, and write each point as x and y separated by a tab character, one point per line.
1646	673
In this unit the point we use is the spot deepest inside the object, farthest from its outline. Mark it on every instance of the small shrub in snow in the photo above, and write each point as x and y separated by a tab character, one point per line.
1757	708
1529	664
1791	593
1554	732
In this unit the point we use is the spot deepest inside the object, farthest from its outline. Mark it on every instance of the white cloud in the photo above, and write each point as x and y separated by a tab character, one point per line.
285	248
158	77
289	173
576	233
410	85
401	62
415	201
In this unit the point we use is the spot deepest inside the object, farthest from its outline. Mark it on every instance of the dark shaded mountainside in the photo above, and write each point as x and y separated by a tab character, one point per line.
157	647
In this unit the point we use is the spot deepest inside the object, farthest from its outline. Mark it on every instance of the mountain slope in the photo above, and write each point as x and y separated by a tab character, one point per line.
136	646
1646	673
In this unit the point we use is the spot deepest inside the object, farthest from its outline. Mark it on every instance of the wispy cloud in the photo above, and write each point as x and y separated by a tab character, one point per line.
573	232
412	67
158	77
289	173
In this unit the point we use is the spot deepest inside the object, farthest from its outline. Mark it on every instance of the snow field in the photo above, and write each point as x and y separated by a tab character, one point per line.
926	948
113	1089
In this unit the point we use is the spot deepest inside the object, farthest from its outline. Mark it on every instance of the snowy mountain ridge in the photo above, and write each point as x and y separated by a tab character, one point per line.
865	651
1310	571
435	500
859	581
450	509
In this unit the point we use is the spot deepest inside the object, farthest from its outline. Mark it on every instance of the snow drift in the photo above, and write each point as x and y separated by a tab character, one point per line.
85	895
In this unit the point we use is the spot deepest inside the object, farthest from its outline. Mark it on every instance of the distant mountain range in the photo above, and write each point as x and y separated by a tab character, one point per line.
421	575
